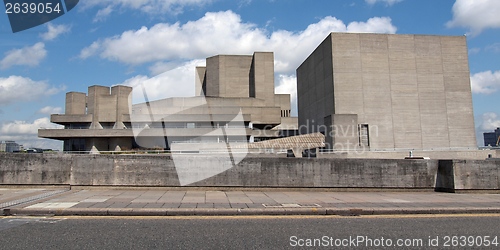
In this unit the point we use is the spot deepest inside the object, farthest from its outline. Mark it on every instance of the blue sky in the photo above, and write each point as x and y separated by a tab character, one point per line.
109	42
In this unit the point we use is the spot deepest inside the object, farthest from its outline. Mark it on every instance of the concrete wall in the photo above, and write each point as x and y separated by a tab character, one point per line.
159	170
315	88
412	90
458	175
35	169
338	173
358	152
228	76
344	128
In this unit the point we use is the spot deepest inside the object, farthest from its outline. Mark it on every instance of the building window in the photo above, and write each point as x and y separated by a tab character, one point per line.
364	135
285	113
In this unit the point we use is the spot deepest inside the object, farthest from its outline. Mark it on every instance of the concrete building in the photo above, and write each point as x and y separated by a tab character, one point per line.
234	102
492	138
10	146
387	92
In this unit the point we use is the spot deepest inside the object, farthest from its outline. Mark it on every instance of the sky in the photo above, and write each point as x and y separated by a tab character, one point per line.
110	42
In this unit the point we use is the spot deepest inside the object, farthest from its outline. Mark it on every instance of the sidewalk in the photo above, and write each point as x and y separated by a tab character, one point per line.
158	202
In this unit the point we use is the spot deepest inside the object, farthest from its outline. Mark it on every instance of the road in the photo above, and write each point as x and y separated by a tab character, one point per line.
247	232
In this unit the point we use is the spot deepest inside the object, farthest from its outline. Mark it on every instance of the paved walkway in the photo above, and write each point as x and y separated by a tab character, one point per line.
174	202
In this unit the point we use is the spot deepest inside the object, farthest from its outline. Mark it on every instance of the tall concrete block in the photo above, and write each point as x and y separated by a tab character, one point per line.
314	102
234	76
213	76
411	88
76	103
263	75
123	96
106	113
94	96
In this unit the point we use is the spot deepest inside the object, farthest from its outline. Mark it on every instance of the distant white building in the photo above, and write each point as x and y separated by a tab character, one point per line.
9	146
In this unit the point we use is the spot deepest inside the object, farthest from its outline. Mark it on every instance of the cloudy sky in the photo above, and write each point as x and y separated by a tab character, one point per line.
109	42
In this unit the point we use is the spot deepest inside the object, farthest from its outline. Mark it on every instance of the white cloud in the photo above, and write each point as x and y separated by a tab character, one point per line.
489	122
29	56
486	82
90	50
162	67
494	47
177	82
26	128
287	84
53	31
22	89
48	110
102	14
387	2
476	15
146	6
473	51
373	25
224	33
25	133
486	122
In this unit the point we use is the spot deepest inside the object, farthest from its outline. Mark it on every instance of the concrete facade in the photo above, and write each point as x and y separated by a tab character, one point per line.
229	87
388	92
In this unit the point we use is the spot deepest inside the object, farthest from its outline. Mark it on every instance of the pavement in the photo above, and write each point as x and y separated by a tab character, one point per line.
112	201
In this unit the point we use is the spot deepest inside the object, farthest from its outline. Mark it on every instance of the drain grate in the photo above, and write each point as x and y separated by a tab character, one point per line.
291	205
31	198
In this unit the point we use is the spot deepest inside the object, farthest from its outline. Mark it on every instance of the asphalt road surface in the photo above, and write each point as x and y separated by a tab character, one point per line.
400	232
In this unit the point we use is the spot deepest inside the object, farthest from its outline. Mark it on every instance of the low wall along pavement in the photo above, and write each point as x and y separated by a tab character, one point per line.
159	170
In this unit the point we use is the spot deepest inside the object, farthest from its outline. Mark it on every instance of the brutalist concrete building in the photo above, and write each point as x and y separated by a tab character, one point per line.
234	103
386	92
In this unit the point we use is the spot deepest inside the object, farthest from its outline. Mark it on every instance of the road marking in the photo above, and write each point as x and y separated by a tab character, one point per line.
95	200
14	221
53	205
397	200
291	205
278	217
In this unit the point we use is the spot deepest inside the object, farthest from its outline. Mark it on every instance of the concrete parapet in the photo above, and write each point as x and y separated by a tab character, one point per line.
459	175
35	169
334	173
160	171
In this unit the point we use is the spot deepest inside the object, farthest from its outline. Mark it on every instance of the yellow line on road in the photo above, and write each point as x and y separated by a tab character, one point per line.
280	217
